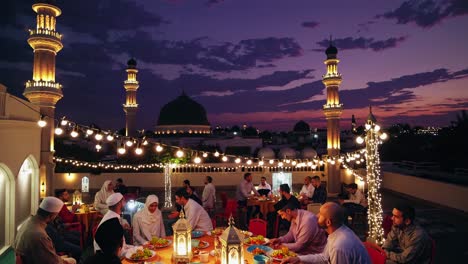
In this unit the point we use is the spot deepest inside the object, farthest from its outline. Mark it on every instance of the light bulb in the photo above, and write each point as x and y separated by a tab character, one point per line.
205	155
359	140
179	153
58	131
121	150
129	143
249	162
145	142
110	137
216	154
42	122
89	132
280	164
314	167
288	161
159	148
98	147
98	136
293	163
63	122
376	128
260	163
309	163
74	134
368	126
197	160
138	151
237	160
224	158
271	161
383	136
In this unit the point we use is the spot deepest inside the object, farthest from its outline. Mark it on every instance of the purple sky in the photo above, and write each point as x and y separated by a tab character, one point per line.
257	62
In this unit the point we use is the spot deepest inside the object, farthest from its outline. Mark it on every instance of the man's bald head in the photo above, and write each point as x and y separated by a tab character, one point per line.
332	213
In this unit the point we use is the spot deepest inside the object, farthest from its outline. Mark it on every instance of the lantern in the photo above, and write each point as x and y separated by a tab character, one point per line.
232	250
77	198
182	240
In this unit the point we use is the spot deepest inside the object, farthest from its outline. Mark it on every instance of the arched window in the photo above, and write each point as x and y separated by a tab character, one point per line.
27	189
7	208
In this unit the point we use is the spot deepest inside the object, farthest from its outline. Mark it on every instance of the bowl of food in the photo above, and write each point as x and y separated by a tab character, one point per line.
140	254
259	250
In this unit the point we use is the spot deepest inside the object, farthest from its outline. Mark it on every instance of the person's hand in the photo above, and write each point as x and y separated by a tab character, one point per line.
126	226
275	242
74	207
291	260
174	215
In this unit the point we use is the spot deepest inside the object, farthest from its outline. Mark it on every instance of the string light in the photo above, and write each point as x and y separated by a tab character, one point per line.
98	136
260	163
238	160
121	150
138	150
63	122
216	154
110	137
224	158
42	122
129	143
74	133
159	148
197	160
205	154
179	153
249	162
98	147
58	131
89	132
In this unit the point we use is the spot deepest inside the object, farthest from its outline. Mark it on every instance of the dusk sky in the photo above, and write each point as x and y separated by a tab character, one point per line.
254	62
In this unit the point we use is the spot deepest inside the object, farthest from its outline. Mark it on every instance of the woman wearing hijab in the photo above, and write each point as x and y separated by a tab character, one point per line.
107	190
148	222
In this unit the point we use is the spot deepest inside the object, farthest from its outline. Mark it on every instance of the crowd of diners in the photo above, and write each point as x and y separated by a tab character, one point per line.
316	238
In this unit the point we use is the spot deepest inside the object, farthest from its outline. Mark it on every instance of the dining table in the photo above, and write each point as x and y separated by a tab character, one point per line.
164	255
266	205
87	220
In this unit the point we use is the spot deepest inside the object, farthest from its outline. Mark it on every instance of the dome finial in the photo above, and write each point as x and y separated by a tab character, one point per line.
331	51
132	63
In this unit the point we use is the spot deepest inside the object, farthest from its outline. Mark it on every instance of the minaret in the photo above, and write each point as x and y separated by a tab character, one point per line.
42	90
332	110
130	107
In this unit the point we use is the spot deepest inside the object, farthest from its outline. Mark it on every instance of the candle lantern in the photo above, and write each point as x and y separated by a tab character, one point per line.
182	240
77	198
232	250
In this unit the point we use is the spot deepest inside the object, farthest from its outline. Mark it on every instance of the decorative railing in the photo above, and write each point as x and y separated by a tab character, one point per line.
43	31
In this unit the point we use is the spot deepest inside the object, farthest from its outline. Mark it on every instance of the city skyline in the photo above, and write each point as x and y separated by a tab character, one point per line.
253	62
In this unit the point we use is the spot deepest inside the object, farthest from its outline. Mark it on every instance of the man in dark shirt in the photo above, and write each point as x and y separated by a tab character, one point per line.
109	238
286	197
320	193
120	187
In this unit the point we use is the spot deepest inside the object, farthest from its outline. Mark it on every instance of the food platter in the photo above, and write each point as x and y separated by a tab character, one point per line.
259	250
139	254
280	254
158	243
256	240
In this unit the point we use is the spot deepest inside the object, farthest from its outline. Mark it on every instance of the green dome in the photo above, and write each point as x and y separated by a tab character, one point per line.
183	111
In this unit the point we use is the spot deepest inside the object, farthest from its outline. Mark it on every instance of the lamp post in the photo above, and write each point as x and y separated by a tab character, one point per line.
373	138
182	240
232	250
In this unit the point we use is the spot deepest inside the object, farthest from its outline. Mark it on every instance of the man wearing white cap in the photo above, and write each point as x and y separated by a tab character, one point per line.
32	242
115	202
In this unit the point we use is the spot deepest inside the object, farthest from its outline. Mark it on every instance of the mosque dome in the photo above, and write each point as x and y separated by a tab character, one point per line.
287	153
331	50
308	153
132	63
266	153
301	127
183	115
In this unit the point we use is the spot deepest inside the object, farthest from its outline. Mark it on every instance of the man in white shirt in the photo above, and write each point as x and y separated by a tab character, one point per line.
115	202
356	202
194	212
307	190
243	192
343	246
264	188
209	195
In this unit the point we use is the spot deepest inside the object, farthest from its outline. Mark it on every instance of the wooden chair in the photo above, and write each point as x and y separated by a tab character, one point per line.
258	227
376	253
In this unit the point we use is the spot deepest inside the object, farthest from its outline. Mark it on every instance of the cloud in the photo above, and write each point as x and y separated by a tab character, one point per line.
310	24
426	13
220	93
361	43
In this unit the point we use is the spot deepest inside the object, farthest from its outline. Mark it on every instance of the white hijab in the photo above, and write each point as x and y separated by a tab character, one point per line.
103	194
148	217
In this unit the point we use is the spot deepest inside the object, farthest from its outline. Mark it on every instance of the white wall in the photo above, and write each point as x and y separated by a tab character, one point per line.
445	194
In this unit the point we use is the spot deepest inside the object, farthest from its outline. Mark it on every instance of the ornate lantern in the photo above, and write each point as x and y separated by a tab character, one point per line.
182	240
77	198
232	250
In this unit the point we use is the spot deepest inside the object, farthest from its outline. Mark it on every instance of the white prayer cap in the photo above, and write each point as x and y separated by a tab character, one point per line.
51	204
113	199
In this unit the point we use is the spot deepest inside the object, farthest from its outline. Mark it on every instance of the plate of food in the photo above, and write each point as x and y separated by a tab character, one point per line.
157	242
259	250
197	233
256	240
280	254
203	244
140	254
246	233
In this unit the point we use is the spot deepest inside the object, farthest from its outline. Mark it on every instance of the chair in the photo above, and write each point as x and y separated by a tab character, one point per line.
224	199
230	209
314	207
258	227
18	259
376	254
433	251
387	224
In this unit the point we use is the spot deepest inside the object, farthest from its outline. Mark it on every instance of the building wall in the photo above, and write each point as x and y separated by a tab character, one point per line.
446	194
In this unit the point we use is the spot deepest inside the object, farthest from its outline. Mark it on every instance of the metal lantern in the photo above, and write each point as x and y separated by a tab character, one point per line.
77	198
182	240
232	250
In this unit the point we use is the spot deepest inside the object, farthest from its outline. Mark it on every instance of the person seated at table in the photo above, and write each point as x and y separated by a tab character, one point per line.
109	238
194	212
407	242
148	222
307	190
120	187
304	236
243	192
190	191
107	190
32	242
65	214
286	197
356	202
264	188
67	241
320	192
343	246
115	203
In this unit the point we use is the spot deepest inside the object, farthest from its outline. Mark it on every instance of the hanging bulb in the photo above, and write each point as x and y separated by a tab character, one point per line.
260	163
121	150
309	163
58	131
237	160
249	162
205	154
359	140
138	150
129	143
89	132
197	160
98	136
280	164
74	133
383	136
376	128
179	153
159	148
332	162
110	137
271	161
368	126
63	122
145	142
42	122
98	147
314	166
293	163
216	154
224	158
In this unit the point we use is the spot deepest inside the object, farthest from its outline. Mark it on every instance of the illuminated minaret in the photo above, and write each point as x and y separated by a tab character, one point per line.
130	107
42	90
332	110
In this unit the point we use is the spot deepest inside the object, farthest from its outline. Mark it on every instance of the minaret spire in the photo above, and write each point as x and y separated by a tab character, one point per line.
42	90
332	110
130	107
